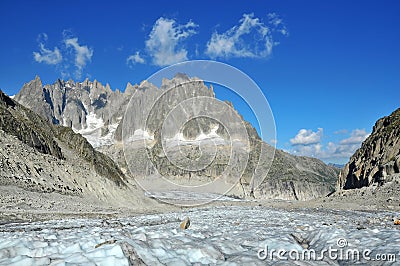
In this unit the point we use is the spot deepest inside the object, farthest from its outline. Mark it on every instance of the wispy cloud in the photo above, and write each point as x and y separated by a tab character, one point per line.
165	42
278	24
250	38
47	56
309	143
83	54
71	52
335	150
307	137
135	59
341	131
356	136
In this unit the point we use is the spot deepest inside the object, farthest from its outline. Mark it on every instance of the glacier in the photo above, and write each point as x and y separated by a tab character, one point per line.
218	235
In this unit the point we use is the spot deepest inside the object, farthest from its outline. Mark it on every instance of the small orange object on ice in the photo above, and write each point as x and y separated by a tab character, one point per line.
185	224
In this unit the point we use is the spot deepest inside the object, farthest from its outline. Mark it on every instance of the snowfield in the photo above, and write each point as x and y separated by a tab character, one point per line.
234	235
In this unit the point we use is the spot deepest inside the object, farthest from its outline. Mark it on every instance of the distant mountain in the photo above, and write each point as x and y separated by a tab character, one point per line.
378	160
97	112
38	156
340	166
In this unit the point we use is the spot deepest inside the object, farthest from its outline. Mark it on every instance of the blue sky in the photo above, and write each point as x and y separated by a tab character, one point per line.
329	69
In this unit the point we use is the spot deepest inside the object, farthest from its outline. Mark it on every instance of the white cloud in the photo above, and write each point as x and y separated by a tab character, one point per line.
307	137
47	56
251	38
135	58
334	150
357	136
312	150
164	44
83	54
342	150
69	55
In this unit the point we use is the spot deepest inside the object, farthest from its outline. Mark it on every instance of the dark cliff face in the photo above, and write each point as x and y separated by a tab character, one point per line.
35	131
28	127
378	159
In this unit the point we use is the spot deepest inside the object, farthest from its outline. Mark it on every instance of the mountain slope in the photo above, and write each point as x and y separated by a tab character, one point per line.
38	156
378	159
298	177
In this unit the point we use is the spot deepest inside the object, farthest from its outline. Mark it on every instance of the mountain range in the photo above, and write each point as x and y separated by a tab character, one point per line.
107	118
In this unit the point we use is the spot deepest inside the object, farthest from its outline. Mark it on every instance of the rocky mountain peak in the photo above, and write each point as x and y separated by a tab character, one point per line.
178	79
35	84
86	82
34	93
181	78
130	89
378	159
145	84
108	88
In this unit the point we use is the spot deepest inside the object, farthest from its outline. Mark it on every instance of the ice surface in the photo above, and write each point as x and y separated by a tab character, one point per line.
93	129
217	235
140	134
190	196
210	138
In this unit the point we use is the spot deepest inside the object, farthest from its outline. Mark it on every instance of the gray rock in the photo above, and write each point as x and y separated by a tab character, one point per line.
378	159
70	103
